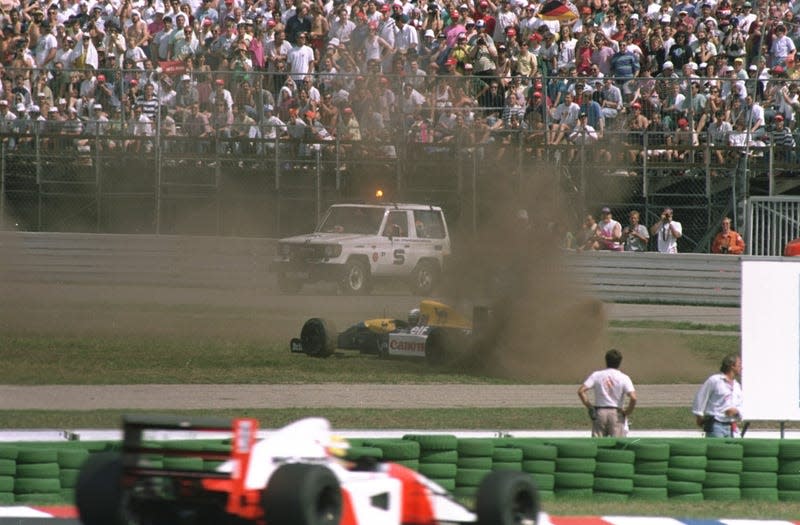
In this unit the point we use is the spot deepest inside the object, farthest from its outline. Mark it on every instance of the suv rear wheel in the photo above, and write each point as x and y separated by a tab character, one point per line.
424	278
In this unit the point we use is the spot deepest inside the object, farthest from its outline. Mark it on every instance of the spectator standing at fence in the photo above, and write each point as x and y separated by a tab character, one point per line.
717	405
783	49
718	132
586	238
565	117
611	387
668	232
727	241
609	232
635	236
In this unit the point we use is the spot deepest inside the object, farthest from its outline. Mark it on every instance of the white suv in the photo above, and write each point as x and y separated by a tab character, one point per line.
356	244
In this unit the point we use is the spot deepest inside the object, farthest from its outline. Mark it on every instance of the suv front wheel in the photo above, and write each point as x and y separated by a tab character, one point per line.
355	278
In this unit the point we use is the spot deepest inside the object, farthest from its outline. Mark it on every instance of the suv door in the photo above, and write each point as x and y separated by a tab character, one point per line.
395	244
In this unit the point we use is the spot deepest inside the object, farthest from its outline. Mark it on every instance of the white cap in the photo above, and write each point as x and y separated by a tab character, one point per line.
665	19
97	106
635	16
752	67
268	107
4	102
668	65
429	32
693	65
21	107
62	101
333	42
186	77
53	110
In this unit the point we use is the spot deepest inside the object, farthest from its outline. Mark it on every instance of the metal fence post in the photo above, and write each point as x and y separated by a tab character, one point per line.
3	188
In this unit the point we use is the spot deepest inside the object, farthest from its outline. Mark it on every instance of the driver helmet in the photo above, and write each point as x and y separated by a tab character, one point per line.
413	317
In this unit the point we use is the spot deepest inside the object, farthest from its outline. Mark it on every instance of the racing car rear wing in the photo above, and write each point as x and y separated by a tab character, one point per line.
137	455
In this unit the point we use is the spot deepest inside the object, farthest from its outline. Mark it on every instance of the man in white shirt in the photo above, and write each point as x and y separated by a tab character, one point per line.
717	405
300	59
610	386
668	232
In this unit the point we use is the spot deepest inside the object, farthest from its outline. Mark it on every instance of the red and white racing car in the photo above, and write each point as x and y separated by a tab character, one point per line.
294	476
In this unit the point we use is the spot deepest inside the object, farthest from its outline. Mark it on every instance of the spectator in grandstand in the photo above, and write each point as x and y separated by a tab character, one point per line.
635	236
586	238
300	60
727	241
565	117
783	140
610	100
609	232
668	231
718	132
783	49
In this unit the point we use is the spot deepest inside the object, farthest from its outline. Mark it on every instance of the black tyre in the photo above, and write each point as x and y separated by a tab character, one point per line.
506	498
98	495
302	494
318	337
355	278
425	278
288	285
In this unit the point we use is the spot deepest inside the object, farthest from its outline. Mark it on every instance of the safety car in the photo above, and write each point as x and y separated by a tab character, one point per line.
292	476
434	331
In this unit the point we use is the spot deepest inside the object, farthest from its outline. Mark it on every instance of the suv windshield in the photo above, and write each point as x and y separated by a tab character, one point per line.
352	219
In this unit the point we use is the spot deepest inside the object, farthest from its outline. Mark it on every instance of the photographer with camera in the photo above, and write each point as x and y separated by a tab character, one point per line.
668	231
727	241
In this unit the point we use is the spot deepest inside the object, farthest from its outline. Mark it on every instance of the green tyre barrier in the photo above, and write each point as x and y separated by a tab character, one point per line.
730	466
788	449
210	465
614	470
651	467
789	481
539	466
722	494
68	477
448	484
573	480
6	484
183	463
650	451
761	464
9	453
6	498
753	480
690	462
725	451
475	462
688	447
547	495
544	481
691	497
475	447
575	465
408	463
37	455
434	441
686	474
760	494
788	495
614	455
514	466
683	487
507	455
470	477
437	470
650	481
536	451
363	452
36	486
719	480
39	499
8	467
38	470
439	456
762	448
576	449
620	486
72	458
396	449
610	496
465	492
566	493
650	493
789	466
68	495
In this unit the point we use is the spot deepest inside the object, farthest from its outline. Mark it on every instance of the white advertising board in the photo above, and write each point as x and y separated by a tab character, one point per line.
771	339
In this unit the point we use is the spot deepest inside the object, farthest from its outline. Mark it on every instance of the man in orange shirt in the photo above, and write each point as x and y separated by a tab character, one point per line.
728	241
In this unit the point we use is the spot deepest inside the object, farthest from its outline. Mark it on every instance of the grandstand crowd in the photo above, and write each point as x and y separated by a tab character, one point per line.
463	71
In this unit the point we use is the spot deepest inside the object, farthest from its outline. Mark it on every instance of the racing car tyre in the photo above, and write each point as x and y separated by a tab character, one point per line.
437	351
505	498
98	495
355	278
302	494
318	337
424	278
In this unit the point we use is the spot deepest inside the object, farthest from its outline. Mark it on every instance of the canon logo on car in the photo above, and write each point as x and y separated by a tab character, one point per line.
407	346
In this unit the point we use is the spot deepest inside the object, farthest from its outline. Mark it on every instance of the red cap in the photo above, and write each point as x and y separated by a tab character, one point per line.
207	22
511	31
310	114
682	122
778	117
454	13
271	22
348	110
636	105
101	78
536	37
586	10
450	62
537	94
385	8
134	82
484	3
220	82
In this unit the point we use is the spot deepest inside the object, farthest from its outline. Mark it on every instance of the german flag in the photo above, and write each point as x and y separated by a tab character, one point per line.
563	11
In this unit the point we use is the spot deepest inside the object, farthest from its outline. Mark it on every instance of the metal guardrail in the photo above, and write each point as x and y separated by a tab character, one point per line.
225	262
771	223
